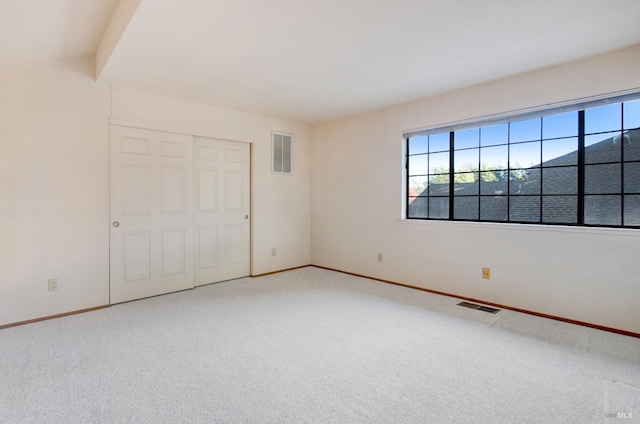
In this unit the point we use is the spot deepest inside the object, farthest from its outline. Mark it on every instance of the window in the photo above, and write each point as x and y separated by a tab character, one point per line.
565	167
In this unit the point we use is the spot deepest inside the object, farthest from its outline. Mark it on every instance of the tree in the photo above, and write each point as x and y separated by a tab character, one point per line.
469	173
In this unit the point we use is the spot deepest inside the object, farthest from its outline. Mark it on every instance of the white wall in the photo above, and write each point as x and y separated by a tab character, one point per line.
590	275
54	183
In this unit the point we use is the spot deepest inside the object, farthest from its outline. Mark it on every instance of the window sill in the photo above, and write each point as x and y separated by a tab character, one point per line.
629	232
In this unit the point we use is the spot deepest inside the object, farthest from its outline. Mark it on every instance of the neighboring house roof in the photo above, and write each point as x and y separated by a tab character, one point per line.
558	178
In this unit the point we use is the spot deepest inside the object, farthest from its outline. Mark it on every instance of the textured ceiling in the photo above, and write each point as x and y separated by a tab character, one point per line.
312	61
39	31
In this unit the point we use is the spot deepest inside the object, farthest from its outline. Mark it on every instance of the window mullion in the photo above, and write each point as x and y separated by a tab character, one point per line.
406	167
451	175
508	180
581	165
622	196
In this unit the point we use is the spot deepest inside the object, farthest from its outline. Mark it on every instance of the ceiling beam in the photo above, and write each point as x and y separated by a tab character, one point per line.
120	20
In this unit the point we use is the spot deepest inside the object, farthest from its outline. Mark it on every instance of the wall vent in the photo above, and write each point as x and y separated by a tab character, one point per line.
479	307
281	153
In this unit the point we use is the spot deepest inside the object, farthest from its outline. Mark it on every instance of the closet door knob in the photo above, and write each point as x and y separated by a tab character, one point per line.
116	224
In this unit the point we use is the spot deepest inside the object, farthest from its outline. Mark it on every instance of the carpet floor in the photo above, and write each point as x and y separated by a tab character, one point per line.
312	346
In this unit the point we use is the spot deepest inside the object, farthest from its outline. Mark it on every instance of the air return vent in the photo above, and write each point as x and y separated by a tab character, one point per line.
281	153
479	307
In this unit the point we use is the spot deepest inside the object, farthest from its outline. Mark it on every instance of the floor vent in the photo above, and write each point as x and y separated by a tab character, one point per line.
479	307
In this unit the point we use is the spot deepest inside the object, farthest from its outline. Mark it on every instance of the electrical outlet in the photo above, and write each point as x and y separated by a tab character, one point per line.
273	251
53	284
486	273
379	257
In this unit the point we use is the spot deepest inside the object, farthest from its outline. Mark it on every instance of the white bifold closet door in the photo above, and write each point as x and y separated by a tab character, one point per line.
222	196
151	247
156	200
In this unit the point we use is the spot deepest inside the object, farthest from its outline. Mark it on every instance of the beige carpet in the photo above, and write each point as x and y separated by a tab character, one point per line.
311	346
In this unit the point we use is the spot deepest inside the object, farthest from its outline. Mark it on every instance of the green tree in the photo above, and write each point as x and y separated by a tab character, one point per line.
469	173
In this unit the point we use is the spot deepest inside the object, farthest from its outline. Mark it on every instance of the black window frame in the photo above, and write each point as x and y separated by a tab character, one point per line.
447	197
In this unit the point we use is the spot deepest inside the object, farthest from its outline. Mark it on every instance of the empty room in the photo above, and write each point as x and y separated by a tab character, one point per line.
278	211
